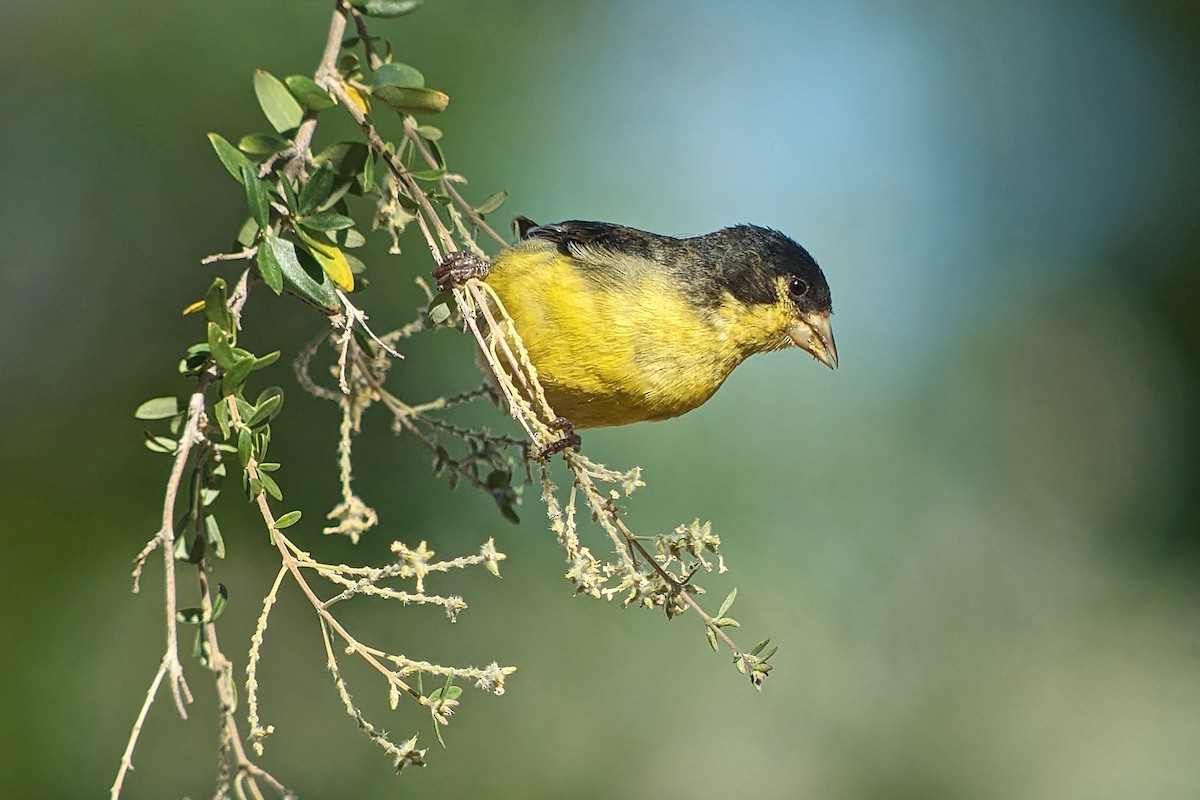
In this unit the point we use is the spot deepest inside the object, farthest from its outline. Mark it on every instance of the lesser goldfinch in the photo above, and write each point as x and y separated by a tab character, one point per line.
627	326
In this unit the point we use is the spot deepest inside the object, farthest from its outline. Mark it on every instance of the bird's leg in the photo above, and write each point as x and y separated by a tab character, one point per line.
459	267
570	440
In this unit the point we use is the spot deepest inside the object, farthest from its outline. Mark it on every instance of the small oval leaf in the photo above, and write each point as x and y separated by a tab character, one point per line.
309	93
386	8
412	100
158	408
492	202
262	144
396	74
256	197
230	156
219	602
320	294
287	520
277	103
346	158
216	305
236	375
317	188
265	409
268	266
327	221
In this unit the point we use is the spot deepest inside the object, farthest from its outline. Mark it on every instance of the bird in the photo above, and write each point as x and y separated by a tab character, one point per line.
628	326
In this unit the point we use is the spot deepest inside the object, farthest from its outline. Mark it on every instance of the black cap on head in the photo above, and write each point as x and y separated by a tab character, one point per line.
755	258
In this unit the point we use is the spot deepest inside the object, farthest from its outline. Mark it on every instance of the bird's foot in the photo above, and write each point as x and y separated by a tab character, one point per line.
458	268
570	440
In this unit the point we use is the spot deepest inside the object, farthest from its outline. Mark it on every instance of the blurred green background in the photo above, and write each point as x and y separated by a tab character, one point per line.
975	543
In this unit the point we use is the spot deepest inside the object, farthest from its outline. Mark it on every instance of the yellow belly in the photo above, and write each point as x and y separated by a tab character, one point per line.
616	351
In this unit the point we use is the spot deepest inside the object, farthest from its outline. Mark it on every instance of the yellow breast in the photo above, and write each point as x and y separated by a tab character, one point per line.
626	346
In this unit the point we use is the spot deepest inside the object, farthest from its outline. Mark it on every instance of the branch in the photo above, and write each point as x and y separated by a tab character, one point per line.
127	757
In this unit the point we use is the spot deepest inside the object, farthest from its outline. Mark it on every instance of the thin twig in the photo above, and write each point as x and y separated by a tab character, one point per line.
127	757
286	550
241	255
247	771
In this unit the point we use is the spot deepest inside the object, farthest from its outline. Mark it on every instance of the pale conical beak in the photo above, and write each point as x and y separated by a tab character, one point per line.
813	333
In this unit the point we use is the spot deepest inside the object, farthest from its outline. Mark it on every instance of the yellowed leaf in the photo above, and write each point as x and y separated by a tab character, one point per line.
331	259
358	99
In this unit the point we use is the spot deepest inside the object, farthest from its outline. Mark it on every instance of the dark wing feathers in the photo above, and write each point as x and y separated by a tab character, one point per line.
573	234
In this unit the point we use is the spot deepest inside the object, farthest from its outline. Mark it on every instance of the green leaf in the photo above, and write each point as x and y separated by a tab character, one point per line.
222	414
218	344
158	408
509	513
256	197
212	532
289	258
429	174
435	149
287	520
236	375
386	8
229	155
265	409
268	266
245	446
309	93
396	74
270	486
316	189
357	267
348	63
412	100
243	407
289	197
492	202
366	178
216	306
160	444
445	693
758	648
725	606
262	144
335	197
327	221
429	133
349	238
262	438
277	103
248	233
219	602
346	158
712	639
195	358
181	551
266	361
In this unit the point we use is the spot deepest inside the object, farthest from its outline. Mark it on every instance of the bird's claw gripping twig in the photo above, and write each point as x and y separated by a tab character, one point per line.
569	441
459	267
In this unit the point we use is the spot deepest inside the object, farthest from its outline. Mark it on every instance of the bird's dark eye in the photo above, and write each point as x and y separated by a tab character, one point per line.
797	286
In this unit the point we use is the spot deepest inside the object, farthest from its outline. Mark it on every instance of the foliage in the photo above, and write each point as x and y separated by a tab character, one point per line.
298	240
